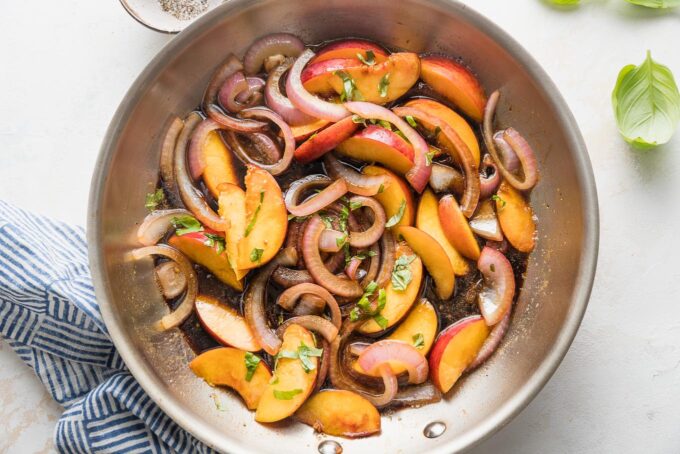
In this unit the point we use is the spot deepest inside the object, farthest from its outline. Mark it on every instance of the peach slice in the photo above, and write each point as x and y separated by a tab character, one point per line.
226	366
291	385
378	144
395	193
349	48
398	302
225	324
302	132
427	220
266	219
401	70
232	206
316	77
516	218
433	256
455	121
456	227
219	163
325	140
419	328
456	83
340	413
455	348
195	245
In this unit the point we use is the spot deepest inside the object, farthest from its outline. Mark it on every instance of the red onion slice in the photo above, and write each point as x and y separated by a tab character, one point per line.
463	154
269	45
228	67
495	297
330	194
186	306
489	177
280	104
374	232
388	245
156	224
352	268
235	124
192	197
505	152
307	102
357	183
387	351
309	305
232	87
170	279
266	146
196	144
168	158
331	240
485	222
253	95
254	301
315	266
517	143
314	323
491	343
419	174
283	164
446	179
290	296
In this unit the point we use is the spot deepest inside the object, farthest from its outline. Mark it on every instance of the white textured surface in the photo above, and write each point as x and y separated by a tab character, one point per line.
65	68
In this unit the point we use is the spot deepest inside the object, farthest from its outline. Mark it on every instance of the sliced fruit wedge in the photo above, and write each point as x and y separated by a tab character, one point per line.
340	413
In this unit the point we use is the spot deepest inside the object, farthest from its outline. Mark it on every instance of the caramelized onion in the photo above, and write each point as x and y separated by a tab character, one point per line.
489	177
387	351
374	232
357	183
331	240
332	192
446	179
267	148
232	87
269	45
191	196
320	274
186	306
196	144
419	174
254	301
314	323
156	224
253	95
495	297
307	102
309	305
352	268
289	297
235	124
506	154
228	67
417	395
517	143
171	280
388	255
168	159
283	164
374	265
279	103
461	153
492	342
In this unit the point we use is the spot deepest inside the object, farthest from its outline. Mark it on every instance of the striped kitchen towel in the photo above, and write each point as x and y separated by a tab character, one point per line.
49	316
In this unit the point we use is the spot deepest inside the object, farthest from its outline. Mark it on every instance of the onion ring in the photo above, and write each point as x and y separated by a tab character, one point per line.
289	297
279	103
332	192
289	149
357	183
156	224
266	46
168	158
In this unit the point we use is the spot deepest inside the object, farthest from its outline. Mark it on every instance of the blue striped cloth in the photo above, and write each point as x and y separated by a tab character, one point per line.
49	316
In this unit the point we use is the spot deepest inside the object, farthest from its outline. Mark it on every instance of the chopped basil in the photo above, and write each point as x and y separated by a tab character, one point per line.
363	255
355	205
411	121
327	221
429	156
382	301
344	216
286	395
359	120
215	240
153	199
418	340
381	321
369	60
394	220
354	314
383	85
251	364
401	274
350	92
497	198
363	306
382	124
381	189
186	224
251	224
340	242
304	353
256	254
402	135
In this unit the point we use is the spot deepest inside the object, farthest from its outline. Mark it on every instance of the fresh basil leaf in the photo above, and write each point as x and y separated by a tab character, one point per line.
646	104
215	240
429	156
153	199
305	352
381	189
340	242
394	220
256	254
350	92
354	314
658	4
251	364
186	224
369	60
412	121
381	321
497	198
401	273
384	85
359	120
251	224
418	340
402	135
286	395
355	205
382	299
